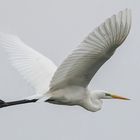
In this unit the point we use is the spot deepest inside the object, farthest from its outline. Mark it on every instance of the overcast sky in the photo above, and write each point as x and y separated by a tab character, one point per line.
54	28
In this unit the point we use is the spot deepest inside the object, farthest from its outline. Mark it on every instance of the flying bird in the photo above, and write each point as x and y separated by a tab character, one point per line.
68	84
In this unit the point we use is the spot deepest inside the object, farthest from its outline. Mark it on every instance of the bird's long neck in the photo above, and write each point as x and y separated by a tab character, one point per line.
93	103
6	104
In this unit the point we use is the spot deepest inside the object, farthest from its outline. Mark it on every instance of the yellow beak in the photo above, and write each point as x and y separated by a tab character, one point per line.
119	97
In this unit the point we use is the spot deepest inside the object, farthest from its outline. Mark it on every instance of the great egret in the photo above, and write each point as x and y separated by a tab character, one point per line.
67	84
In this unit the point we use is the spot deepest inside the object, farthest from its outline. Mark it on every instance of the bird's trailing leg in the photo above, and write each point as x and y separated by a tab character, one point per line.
6	104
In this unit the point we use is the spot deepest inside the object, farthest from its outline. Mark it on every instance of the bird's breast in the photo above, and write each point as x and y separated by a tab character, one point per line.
72	95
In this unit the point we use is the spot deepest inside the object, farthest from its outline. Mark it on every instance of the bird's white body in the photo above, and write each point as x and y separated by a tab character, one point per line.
76	95
68	84
71	95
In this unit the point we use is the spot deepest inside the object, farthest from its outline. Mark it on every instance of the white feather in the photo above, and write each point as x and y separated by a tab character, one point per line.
33	66
79	67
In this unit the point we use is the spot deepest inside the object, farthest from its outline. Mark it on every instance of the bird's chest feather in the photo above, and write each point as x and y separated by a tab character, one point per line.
72	95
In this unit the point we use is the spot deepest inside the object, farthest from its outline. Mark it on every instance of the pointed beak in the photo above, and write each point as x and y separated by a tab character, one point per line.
119	97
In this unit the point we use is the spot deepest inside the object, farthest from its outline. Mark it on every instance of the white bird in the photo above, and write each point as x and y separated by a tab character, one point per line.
68	84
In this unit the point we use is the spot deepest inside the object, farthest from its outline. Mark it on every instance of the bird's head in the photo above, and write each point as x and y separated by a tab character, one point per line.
96	102
100	94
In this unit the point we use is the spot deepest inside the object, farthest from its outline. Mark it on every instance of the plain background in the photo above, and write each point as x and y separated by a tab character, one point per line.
54	28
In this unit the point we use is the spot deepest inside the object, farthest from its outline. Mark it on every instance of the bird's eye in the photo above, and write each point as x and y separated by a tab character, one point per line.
106	94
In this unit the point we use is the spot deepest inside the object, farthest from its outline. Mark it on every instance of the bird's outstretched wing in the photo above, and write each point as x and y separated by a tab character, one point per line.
79	67
33	66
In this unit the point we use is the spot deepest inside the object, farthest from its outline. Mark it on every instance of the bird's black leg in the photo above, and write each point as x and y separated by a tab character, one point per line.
6	104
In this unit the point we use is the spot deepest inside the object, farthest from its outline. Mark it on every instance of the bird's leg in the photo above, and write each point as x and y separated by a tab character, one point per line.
6	104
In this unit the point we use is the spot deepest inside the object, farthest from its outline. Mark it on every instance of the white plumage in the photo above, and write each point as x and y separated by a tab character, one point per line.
69	83
33	66
79	67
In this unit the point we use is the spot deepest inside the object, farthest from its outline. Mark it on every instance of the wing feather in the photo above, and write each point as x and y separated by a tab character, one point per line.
35	68
82	64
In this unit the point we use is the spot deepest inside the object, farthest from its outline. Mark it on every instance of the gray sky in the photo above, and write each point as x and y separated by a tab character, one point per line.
54	28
